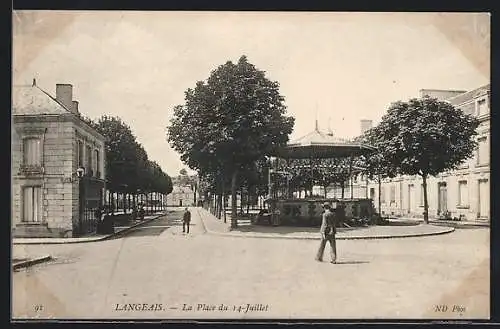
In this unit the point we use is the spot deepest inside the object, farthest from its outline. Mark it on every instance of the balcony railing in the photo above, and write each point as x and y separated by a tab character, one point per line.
31	170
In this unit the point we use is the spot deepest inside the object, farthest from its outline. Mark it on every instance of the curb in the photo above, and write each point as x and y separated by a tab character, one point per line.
31	262
202	222
100	238
373	237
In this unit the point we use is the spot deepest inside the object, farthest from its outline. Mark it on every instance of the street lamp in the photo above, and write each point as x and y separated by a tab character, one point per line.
80	172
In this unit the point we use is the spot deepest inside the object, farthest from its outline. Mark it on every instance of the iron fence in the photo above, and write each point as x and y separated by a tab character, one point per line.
89	220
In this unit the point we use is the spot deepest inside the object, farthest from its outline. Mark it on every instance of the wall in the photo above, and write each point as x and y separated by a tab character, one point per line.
57	192
60	193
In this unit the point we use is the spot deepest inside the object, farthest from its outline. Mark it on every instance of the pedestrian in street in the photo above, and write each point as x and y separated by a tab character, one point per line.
186	219
327	231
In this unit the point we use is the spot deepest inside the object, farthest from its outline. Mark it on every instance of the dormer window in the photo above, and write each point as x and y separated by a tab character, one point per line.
482	107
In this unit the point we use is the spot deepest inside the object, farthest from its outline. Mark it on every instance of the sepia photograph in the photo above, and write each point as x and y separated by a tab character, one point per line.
250	165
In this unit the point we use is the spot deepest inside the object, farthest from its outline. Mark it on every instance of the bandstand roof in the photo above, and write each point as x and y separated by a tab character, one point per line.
318	144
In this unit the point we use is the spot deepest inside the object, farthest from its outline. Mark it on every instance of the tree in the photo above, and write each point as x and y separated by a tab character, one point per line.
128	168
426	137
234	118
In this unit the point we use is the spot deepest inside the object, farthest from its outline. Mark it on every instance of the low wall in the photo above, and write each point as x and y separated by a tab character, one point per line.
308	212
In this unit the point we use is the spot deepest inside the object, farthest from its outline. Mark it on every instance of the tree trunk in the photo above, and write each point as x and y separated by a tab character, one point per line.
379	196
195	191
241	200
216	205
219	206
352	188
426	204
224	201
342	186
325	187
234	222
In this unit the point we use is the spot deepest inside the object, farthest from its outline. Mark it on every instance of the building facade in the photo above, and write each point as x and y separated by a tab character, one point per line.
58	165
181	196
463	193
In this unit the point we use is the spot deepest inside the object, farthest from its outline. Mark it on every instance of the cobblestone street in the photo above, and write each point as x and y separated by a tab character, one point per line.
278	278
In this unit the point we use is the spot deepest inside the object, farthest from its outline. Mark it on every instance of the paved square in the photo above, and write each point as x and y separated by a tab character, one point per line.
159	272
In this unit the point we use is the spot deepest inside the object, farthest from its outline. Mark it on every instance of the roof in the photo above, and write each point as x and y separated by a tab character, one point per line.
467	96
322	145
317	137
32	100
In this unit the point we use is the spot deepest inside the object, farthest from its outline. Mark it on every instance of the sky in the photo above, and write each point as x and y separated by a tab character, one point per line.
337	68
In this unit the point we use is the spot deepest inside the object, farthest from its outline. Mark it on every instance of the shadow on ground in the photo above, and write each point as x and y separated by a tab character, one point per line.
351	262
285	229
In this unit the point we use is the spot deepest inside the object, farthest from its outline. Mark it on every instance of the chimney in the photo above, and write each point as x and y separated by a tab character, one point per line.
365	125
74	108
64	95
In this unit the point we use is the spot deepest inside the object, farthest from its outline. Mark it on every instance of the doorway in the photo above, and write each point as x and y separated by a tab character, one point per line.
372	193
442	198
484	199
411	198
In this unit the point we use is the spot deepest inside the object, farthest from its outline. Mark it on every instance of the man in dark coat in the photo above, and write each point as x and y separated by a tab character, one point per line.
186	219
327	231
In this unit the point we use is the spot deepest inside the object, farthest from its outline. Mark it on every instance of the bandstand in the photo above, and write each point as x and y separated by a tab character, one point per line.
287	207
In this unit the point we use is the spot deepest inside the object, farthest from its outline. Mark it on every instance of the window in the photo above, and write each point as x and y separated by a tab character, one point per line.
382	194
32	204
482	151
482	107
80	154
393	194
88	167
463	193
32	155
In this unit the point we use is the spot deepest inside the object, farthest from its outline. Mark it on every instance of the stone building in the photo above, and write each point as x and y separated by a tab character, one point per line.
57	164
462	193
181	196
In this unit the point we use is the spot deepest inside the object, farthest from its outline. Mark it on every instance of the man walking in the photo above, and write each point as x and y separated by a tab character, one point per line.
327	231
186	219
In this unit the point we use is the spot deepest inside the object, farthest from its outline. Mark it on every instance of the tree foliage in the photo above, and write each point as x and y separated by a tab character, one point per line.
128	168
232	119
422	137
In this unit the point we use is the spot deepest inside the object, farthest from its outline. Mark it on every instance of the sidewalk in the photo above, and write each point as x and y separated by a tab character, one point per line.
245	229
441	222
118	230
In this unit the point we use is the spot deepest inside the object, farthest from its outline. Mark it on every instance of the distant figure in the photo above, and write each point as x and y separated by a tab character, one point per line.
141	212
327	231
186	219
